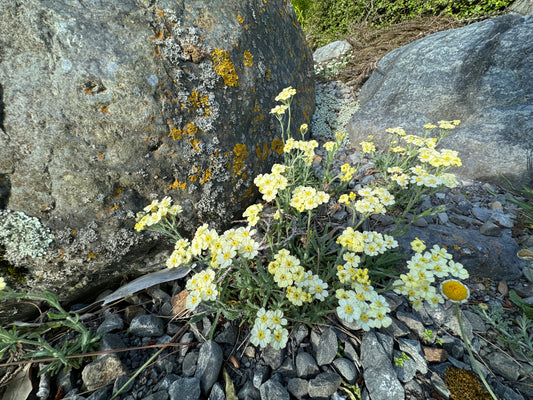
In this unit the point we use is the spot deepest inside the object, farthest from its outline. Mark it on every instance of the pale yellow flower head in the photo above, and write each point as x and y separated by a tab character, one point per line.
286	94
368	147
279	110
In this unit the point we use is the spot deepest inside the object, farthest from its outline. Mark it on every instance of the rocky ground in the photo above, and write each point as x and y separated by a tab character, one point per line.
331	361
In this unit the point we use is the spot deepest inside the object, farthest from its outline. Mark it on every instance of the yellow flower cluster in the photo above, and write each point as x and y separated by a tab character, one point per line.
201	288
286	94
307	147
368	147
181	255
370	243
373	200
156	212
269	329
233	243
420	141
348	172
305	198
421	177
270	184
448	124
364	306
396	131
424	269
279	110
301	286
444	158
252	214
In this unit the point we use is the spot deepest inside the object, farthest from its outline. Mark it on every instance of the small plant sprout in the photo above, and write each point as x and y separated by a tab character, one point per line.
398	361
428	336
290	264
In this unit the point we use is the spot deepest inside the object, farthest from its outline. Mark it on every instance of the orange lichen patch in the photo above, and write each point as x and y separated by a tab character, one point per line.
241	20
191	129
104	109
74	232
194	99
262	152
195	144
224	67
91	255
277	145
248	59
256	108
115	207
178	185
455	247
206	176
176	133
100	156
239	154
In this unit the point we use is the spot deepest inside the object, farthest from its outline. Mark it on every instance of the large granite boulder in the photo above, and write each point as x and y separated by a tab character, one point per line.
106	105
481	74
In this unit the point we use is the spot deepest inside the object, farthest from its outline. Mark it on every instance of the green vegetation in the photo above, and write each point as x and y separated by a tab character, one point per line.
328	20
31	342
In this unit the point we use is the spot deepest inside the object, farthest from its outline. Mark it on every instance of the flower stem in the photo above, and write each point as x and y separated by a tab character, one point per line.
472	359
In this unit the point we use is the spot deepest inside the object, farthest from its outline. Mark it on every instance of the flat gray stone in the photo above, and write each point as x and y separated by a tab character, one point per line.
209	364
147	325
331	51
217	392
413	349
327	347
112	322
346	369
490	229
273	390
298	387
504	366
306	366
379	375
185	389
324	385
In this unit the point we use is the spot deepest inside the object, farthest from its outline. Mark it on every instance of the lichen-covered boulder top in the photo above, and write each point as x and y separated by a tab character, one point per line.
105	105
481	74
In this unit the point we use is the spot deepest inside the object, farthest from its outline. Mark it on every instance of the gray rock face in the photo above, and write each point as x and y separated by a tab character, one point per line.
481	74
103	110
209	363
185	389
331	51
380	377
480	255
147	326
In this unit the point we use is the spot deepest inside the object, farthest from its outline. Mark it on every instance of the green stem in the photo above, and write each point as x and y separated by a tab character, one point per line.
472	359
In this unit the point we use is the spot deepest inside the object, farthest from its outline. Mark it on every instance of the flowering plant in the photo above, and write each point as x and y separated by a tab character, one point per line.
291	263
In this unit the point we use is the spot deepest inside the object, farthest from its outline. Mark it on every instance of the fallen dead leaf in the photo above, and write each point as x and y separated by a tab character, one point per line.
503	288
178	302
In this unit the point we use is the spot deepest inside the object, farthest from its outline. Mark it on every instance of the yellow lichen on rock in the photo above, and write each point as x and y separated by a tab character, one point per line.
224	67
239	154
248	59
